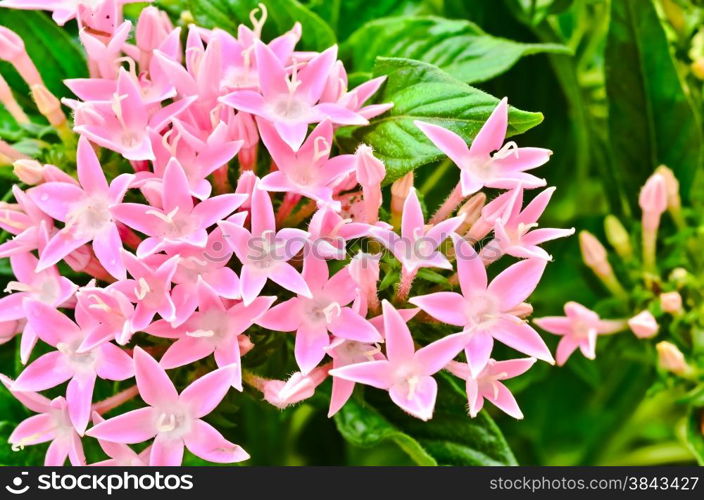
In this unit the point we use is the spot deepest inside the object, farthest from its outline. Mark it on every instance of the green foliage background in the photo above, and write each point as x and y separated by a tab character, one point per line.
610	81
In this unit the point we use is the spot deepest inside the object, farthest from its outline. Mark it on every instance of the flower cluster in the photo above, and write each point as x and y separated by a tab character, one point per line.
211	209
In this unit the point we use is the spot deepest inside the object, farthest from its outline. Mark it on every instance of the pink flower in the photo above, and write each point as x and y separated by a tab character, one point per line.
149	288
52	423
173	419
309	171
106	314
326	310
265	253
68	362
578	328
120	454
405	373
178	221
215	328
488	311
487	384
417	245
46	286
291	104
26	221
489	162
86	211
329	233
515	232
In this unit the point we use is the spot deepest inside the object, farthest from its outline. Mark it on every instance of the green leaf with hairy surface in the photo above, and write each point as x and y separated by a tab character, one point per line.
459	47
282	15
651	119
57	55
422	91
450	438
363	426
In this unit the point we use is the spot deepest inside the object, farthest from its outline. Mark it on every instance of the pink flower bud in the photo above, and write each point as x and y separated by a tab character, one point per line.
336	84
153	27
671	359
8	100
672	187
593	252
653	200
671	302
245	185
370	170
48	105
30	172
643	325
245	344
472	210
13	51
522	310
399	192
297	388
244	128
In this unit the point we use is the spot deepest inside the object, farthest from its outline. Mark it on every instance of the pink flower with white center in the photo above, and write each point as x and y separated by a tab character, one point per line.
107	314
52	423
327	310
309	171
515	233
120	454
149	288
213	329
27	222
348	352
264	252
68	362
178	222
86	211
579	328
487	384
488	162
488	311
417	246
329	233
406	373
174	420
123	123
208	264
199	156
291	104
45	286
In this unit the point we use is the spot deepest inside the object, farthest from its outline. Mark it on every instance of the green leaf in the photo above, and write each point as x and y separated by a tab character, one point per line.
345	16
450	438
693	434
56	54
282	15
651	119
421	91
533	12
363	426
459	47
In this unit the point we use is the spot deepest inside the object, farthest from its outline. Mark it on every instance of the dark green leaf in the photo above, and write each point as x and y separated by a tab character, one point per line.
459	47
450	438
694	436
651	119
56	54
421	91
282	15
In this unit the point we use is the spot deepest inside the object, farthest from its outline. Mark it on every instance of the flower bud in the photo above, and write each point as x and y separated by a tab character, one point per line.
522	310
618	236
697	68
399	192
472	210
12	50
593	253
679	277
31	172
153	26
653	200
671	302
364	270
245	185
671	359
370	170
11	153
336	84
8	100
672	186
297	388
48	105
643	325
244	128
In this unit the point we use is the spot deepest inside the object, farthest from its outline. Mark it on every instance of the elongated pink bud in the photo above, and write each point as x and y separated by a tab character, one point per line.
399	192
370	172
595	257
8	100
13	51
643	325
153	26
31	172
472	210
297	388
364	269
48	105
653	200
244	129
